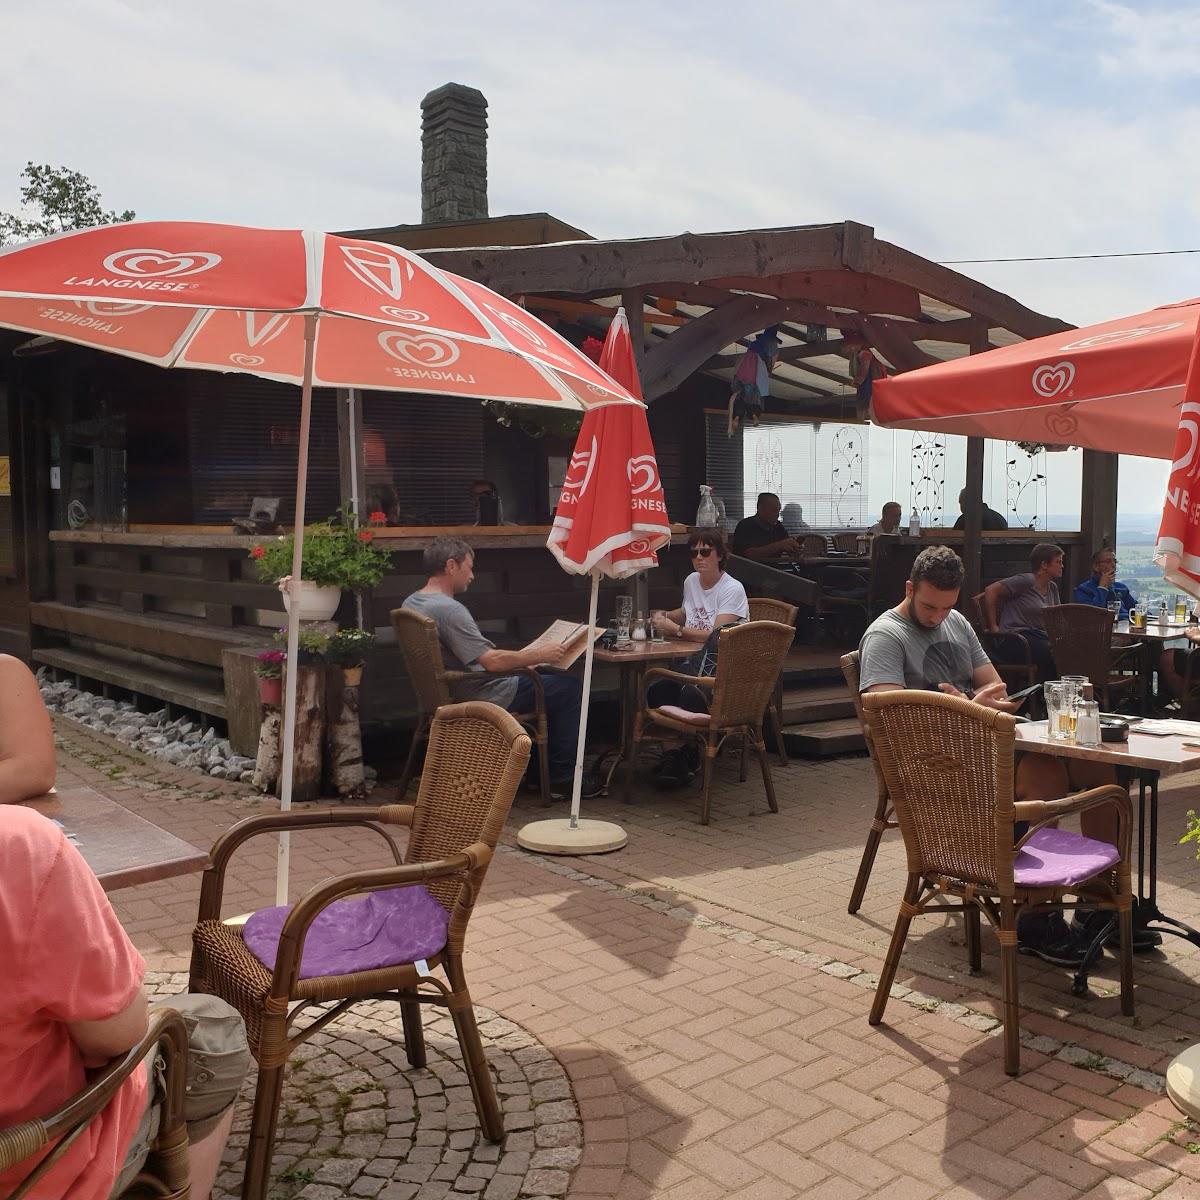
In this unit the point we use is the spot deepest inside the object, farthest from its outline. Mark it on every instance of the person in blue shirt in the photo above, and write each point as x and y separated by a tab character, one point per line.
1102	587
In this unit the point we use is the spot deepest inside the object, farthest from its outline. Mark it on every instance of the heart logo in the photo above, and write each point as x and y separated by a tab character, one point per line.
1122	335
146	263
411	315
1061	424
111	308
247	360
579	472
261	329
420	349
642	472
1052	379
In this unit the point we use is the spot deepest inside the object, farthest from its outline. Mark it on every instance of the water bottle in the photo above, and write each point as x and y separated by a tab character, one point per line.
707	515
914	524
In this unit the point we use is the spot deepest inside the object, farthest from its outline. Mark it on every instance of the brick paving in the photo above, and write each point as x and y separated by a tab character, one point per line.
706	994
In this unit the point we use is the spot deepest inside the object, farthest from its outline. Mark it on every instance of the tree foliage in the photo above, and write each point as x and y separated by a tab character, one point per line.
54	199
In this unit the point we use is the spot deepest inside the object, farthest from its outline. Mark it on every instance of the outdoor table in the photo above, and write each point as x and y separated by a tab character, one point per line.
1145	758
633	663
1152	637
121	848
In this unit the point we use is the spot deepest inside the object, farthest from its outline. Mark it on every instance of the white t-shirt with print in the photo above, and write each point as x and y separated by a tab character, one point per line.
701	608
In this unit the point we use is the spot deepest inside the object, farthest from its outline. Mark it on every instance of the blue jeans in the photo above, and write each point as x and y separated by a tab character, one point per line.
564	695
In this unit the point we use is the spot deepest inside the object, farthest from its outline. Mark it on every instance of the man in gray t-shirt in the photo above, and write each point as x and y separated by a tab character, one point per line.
925	643
450	564
1019	603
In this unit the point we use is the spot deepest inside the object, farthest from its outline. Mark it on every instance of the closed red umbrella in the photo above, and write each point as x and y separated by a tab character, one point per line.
1178	550
612	521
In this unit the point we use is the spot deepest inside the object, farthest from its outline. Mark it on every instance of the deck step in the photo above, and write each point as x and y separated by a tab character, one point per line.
186	689
822	739
816	702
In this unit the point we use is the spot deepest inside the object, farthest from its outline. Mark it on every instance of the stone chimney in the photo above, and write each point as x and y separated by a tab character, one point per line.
453	155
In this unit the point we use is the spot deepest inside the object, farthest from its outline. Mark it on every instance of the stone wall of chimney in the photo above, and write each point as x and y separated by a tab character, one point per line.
453	155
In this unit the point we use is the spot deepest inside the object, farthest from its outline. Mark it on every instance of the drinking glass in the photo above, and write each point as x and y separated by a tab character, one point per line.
1114	607
1081	683
1087	723
656	633
1053	693
1180	608
624	617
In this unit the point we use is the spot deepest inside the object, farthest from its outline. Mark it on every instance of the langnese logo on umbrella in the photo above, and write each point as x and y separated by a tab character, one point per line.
247	360
428	354
378	269
1052	379
642	473
1185	470
516	325
112	308
93	314
412	316
1122	335
579	475
149	270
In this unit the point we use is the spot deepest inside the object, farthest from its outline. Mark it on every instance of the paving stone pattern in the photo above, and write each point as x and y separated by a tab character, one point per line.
356	1120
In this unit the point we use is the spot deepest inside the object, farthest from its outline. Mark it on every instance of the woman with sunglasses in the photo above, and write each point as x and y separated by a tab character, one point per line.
711	600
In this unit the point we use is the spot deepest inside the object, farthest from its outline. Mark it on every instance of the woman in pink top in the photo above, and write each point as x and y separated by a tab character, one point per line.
26	739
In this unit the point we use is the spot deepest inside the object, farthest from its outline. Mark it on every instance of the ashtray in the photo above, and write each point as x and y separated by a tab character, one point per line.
1114	729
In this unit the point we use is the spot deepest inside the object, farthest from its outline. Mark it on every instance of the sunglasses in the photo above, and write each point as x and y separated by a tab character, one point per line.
701	551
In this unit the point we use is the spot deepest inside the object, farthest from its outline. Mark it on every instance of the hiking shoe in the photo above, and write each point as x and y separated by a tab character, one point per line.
1050	938
1087	925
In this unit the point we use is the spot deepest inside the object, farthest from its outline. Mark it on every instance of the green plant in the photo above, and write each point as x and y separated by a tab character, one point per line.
1193	830
535	421
313	644
336	553
349	647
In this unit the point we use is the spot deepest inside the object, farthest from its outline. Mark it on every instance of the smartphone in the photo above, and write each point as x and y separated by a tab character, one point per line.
1024	692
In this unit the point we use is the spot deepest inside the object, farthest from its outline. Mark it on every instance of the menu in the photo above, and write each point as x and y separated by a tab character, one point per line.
570	634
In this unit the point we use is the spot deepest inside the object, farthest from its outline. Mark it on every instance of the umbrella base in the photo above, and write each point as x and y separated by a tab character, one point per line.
557	837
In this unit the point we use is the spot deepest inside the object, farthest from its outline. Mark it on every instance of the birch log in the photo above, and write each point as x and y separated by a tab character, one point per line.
343	734
310	721
266	765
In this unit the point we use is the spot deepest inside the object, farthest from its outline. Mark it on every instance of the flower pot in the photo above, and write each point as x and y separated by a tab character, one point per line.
352	676
270	691
316	603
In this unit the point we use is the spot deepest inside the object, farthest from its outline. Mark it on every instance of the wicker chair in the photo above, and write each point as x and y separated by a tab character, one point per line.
764	608
477	755
813	545
884	818
846	542
1081	642
418	639
948	765
165	1175
748	663
1021	670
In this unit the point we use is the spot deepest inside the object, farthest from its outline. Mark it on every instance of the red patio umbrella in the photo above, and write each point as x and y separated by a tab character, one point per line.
1116	386
611	520
292	305
1178	548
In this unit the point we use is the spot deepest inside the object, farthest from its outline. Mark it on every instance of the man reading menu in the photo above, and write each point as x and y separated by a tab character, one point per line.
449	563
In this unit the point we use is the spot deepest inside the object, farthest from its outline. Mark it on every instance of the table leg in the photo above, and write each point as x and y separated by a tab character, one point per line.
1145	906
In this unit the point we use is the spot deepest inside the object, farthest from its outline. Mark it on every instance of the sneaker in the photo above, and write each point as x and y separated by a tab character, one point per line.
1048	936
673	770
560	789
1088	924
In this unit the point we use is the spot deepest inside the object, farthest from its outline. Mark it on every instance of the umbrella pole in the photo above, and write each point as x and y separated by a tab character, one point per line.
588	657
291	674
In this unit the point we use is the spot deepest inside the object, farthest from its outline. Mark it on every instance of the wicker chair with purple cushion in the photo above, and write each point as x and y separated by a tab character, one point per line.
884	818
749	660
1009	652
765	608
948	765
381	933
417	637
1081	642
165	1175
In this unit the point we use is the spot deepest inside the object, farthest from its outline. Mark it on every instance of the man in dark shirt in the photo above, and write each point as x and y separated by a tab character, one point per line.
989	518
762	537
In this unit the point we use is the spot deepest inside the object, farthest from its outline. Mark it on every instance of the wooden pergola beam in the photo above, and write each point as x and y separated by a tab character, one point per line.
841	289
893	342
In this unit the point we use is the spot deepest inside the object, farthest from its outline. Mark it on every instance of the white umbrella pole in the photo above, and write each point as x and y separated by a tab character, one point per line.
293	638
355	499
577	782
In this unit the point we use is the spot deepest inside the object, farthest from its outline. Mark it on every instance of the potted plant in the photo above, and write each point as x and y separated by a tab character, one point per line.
337	554
269	668
348	649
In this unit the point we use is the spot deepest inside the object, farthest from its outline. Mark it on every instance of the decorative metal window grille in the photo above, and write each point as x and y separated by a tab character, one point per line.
927	477
1025	488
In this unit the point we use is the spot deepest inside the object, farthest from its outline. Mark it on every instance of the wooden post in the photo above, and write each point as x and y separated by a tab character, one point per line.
634	301
973	513
343	733
1098	501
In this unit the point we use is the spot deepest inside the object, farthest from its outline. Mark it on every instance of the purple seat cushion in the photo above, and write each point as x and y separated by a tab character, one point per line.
362	933
1060	858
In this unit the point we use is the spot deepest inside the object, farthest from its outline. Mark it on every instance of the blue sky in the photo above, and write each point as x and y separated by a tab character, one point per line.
975	130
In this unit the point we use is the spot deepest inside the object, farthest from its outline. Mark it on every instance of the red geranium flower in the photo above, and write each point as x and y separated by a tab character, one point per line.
365	535
377	518
258	552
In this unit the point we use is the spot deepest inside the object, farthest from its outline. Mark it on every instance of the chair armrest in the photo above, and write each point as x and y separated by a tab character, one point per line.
1041	812
20	1142
212	887
290	953
987	638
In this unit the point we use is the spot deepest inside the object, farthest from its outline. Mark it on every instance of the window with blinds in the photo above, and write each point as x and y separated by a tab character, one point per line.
420	455
818	472
244	436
